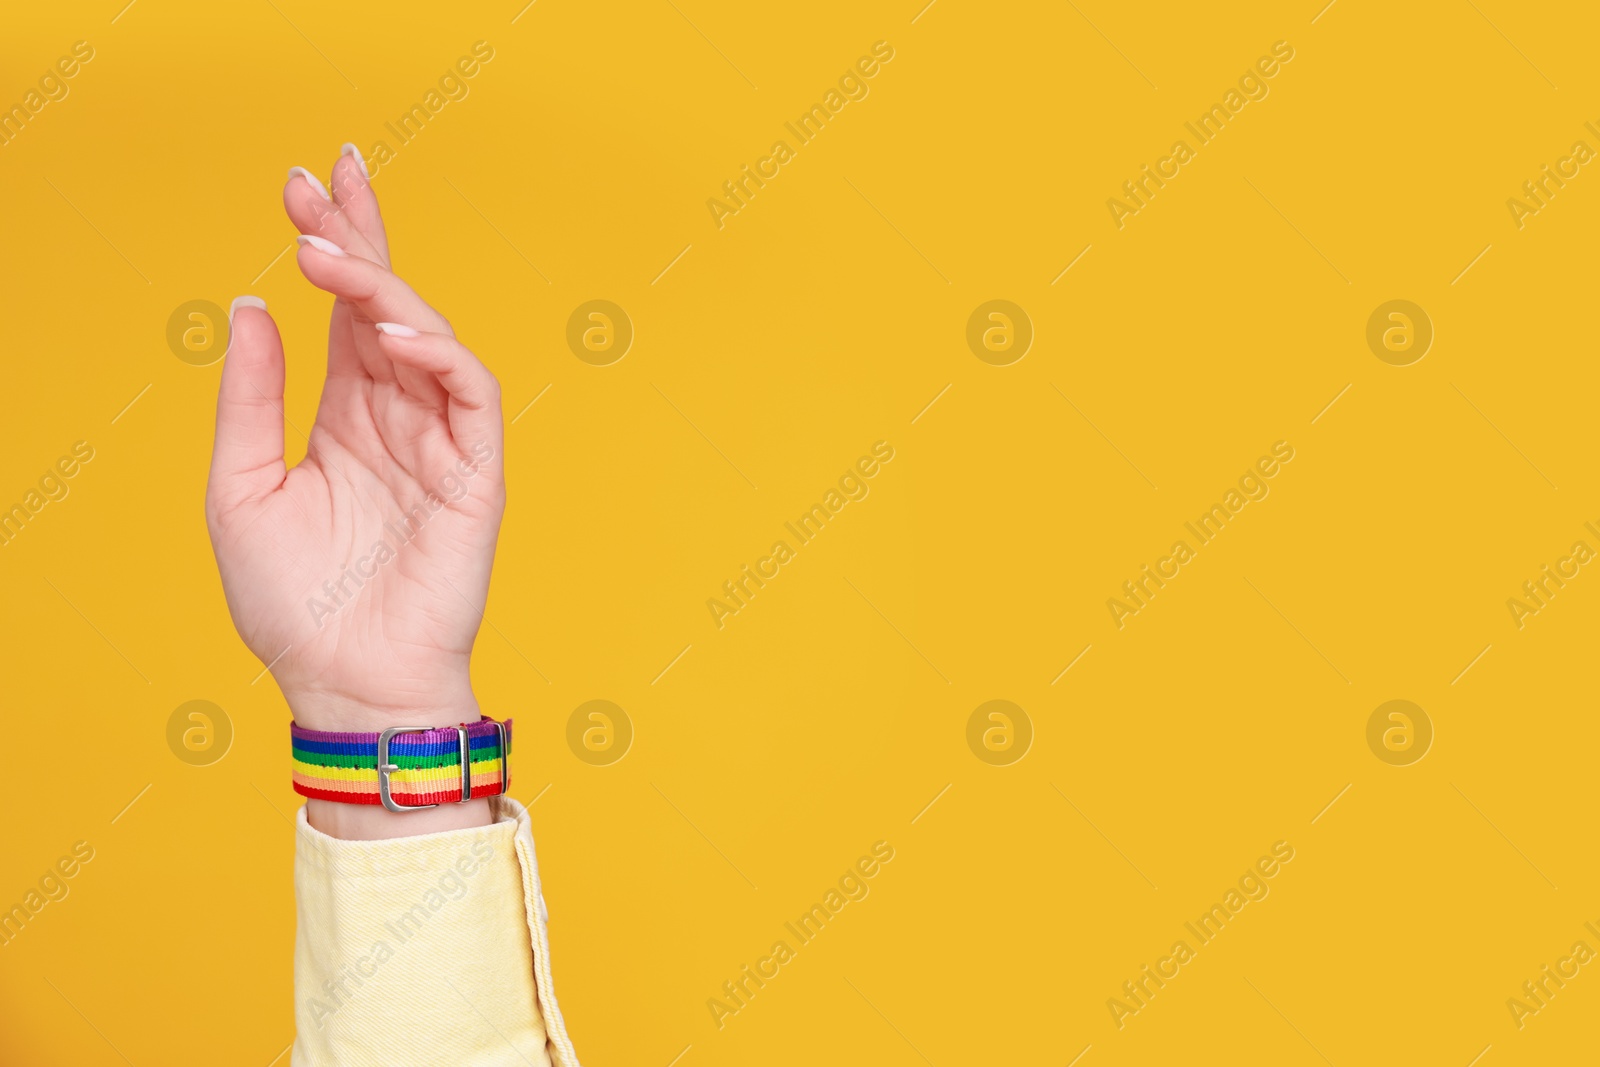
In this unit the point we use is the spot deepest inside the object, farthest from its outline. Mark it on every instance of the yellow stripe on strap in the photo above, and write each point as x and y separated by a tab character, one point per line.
446	773
402	789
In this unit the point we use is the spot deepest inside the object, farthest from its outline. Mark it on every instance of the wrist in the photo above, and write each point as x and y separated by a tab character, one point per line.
337	711
326	710
365	822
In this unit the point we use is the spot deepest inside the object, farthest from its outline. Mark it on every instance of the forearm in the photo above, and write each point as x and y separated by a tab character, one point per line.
352	822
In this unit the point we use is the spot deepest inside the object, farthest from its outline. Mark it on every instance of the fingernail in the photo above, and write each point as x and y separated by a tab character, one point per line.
245	302
321	244
395	329
312	178
349	149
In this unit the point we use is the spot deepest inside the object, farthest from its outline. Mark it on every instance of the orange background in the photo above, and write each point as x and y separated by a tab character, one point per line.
771	353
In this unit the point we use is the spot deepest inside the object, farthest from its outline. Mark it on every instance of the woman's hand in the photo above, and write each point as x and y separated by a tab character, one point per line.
359	576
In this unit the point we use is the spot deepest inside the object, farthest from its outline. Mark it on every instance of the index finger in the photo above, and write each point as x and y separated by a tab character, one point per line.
374	292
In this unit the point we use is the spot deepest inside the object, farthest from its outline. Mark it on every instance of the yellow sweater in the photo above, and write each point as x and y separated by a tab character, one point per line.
425	950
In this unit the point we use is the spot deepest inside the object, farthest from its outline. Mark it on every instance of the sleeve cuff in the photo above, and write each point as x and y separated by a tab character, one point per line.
428	949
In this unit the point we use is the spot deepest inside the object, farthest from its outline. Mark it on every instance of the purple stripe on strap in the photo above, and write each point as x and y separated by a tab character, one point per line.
483	727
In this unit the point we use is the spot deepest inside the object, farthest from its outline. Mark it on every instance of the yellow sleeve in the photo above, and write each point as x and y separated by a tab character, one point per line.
425	950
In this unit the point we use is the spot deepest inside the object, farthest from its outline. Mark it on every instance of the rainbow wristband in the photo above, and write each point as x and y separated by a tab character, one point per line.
404	768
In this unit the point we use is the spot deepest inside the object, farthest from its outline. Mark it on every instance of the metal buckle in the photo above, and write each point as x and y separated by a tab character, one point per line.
505	758
386	768
464	746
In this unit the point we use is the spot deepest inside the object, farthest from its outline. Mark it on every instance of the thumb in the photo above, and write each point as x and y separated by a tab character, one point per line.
247	457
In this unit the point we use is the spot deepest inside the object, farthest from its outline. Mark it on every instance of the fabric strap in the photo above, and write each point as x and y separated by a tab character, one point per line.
344	766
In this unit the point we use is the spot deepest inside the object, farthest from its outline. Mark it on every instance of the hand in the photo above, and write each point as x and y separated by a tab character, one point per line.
361	574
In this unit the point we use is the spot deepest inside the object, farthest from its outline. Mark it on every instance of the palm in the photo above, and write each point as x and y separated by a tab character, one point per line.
363	569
